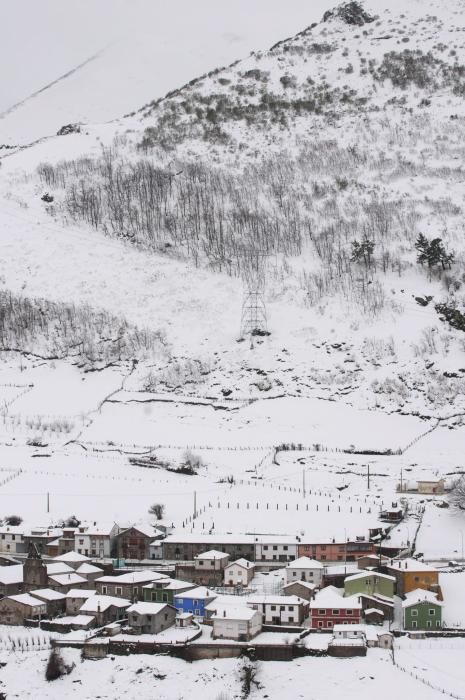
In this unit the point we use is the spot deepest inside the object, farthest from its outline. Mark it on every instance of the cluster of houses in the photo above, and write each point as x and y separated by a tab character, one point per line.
72	590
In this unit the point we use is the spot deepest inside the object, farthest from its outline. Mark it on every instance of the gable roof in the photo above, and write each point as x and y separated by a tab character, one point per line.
276	600
144	608
212	554
368	574
332	597
409	565
419	595
67	579
80	593
199	593
305	584
88	569
234	612
25	599
135	577
58	568
11	574
74	557
243	563
48	594
305	563
100	603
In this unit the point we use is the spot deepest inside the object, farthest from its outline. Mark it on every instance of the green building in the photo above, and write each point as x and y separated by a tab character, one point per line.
421	610
370	583
164	590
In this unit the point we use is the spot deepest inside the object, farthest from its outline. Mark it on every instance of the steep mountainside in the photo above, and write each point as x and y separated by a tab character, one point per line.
307	172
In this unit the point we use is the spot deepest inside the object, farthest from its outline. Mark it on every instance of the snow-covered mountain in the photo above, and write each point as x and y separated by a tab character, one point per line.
350	131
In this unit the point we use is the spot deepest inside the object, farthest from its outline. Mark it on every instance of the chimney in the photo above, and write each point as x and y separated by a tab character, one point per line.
224	613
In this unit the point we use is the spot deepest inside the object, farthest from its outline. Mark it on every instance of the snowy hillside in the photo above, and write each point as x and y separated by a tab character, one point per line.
269	171
105	59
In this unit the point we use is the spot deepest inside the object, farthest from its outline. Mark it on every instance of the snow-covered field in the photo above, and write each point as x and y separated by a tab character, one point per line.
145	677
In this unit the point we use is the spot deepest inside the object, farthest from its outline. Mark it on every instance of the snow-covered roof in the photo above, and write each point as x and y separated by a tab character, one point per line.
73	557
11	574
409	565
88	569
11	530
348	628
244	563
332	597
147	608
135	577
305	584
212	554
276	600
341	569
99	603
368	611
419	595
49	594
199	593
234	612
58	568
305	563
67	579
369	574
80	593
146	530
170	584
25	599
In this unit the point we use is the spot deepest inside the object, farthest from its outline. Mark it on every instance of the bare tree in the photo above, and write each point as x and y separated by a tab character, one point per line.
157	510
457	494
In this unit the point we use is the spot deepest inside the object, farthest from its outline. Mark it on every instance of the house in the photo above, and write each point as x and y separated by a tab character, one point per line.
55	601
164	590
330	608
431	488
239	573
72	558
194	601
156	546
371	583
239	623
15	609
97	541
421	610
206	569
280	609
129	586
11	580
372	561
151	618
41	537
305	569
62	544
134	542
336	574
333	551
274	549
75	598
348	640
411	574
105	608
301	589
211	561
392	515
184	620
12	539
65	582
90	572
349	631
186	547
374	616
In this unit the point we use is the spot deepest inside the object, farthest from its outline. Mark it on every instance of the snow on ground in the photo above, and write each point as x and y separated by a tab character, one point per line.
112	57
453	589
435	661
144	677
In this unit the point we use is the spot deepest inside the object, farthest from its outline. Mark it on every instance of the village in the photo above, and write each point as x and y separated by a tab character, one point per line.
146	589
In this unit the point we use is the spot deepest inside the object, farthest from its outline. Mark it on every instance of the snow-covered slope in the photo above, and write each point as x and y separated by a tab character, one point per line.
105	59
348	130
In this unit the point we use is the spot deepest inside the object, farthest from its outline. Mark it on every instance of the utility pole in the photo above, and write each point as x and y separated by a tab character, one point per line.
401	485
48	502
303	482
368	476
195	504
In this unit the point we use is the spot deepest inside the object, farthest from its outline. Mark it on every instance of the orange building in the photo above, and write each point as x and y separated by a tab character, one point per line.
336	551
411	574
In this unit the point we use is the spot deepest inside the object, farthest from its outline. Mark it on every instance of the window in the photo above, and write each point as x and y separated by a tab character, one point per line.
323	557
265	546
166	616
285	548
335	612
438	624
323	546
349	612
200	563
196	611
294	573
196	602
428	623
414	613
273	607
275	547
321	612
118	590
329	624
320	623
149	617
417	578
432	611
104	590
414	624
164	597
291	608
81	541
282	608
291	619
